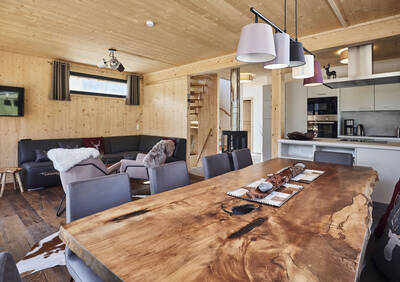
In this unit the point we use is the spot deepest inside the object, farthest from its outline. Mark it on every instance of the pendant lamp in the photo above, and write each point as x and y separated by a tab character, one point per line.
256	44
296	48
304	71
282	49
317	78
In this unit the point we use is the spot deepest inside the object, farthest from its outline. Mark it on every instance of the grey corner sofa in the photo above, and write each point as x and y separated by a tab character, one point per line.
42	174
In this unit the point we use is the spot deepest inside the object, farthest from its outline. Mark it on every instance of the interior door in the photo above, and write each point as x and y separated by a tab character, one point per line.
247	121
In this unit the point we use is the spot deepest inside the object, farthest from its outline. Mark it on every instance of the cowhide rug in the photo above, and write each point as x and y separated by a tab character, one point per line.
47	253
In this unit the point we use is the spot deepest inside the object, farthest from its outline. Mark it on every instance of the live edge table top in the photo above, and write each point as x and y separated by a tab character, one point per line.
183	234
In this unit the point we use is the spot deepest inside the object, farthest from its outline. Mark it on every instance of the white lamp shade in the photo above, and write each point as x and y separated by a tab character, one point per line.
282	50
256	44
306	70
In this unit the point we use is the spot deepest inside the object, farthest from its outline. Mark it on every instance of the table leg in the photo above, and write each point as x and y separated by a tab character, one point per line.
15	185
3	184
20	183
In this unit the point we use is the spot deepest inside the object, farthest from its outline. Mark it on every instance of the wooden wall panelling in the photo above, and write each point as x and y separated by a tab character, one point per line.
83	116
165	108
278	110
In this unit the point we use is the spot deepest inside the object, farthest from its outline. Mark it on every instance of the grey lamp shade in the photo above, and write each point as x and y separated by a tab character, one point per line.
304	71
256	44
282	50
296	54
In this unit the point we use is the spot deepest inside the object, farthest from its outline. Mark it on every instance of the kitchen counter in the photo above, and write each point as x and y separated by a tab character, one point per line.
383	157
345	144
378	138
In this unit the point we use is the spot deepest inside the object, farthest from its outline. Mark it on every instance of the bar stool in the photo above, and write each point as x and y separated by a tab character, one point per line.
15	172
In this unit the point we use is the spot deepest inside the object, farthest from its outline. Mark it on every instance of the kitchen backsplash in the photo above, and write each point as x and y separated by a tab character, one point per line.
375	123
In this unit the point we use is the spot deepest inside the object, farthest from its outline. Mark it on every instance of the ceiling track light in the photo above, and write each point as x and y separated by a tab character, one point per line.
112	62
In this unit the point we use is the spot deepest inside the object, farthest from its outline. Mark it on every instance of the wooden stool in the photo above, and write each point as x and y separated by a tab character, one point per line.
15	172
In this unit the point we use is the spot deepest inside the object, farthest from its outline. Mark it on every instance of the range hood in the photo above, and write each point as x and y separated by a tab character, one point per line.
360	70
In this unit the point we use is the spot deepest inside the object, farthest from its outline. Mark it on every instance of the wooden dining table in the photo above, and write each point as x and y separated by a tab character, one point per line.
184	235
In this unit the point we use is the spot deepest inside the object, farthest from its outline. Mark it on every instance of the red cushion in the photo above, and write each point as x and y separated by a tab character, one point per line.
96	142
172	139
383	221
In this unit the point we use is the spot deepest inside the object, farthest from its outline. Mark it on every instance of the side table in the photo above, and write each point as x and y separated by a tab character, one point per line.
15	172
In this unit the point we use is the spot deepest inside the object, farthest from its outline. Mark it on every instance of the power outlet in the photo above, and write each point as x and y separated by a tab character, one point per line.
137	126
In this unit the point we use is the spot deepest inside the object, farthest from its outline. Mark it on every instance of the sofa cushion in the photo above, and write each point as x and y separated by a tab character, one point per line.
124	143
180	149
27	147
70	144
131	155
95	142
41	156
147	142
40	174
111	158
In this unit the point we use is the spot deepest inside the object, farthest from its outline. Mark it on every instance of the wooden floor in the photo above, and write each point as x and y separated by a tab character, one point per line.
27	218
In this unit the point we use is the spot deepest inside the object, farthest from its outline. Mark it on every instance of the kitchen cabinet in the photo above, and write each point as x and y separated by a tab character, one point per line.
321	91
357	98
387	97
295	107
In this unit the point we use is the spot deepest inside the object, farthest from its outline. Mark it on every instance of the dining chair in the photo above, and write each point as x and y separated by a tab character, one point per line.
333	158
215	165
86	169
168	176
241	158
8	269
86	197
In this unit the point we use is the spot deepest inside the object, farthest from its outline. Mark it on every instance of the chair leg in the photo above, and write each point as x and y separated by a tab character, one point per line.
59	211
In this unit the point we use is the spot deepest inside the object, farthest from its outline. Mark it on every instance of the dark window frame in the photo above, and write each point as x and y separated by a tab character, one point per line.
97	77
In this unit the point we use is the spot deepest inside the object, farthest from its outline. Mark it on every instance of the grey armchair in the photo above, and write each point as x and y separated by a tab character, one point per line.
215	165
135	168
168	176
241	158
87	197
8	269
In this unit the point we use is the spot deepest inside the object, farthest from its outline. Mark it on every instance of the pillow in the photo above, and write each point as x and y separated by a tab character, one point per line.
41	156
70	144
159	153
96	143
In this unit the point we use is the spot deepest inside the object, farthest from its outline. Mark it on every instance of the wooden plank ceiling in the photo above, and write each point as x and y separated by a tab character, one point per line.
185	30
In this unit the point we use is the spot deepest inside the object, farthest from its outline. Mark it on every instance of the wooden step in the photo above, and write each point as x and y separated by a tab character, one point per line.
198	85
195	107
195	99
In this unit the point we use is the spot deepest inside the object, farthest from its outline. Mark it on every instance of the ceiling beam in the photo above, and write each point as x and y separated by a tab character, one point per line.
346	36
338	13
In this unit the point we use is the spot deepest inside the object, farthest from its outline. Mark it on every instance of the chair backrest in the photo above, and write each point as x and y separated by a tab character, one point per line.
241	158
89	168
86	197
168	176
8	269
215	165
333	157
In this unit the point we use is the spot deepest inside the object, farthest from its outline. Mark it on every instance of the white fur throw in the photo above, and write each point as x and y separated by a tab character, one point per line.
64	159
159	153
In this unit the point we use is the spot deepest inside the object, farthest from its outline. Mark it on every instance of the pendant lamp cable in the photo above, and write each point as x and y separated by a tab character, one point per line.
295	12
285	17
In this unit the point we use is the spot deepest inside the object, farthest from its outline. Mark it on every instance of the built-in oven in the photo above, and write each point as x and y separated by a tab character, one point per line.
322	106
324	126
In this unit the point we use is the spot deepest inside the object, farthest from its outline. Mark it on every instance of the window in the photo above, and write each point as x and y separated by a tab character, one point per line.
82	83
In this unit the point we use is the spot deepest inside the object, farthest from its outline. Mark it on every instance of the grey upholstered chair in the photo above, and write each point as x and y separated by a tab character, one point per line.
87	169
333	158
87	197
241	158
135	168
215	165
8	269
168	176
